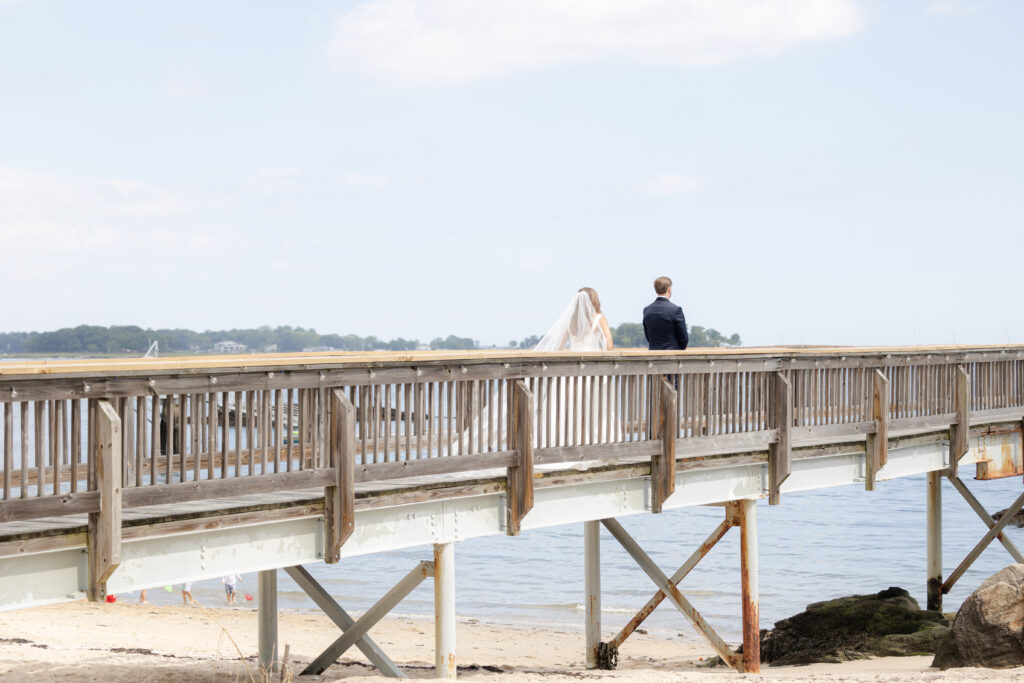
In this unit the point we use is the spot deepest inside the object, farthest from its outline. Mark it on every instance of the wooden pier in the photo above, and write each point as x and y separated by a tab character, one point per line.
119	475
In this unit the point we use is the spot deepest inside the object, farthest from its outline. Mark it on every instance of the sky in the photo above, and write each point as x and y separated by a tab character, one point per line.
806	171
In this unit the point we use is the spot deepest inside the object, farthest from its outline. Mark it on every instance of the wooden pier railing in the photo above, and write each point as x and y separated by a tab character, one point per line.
209	427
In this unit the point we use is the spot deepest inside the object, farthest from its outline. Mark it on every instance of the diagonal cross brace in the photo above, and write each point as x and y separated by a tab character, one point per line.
996	530
340	617
680	574
673	594
985	517
364	623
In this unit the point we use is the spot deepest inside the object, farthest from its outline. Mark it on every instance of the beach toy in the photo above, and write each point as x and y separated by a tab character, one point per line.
248	596
111	597
169	589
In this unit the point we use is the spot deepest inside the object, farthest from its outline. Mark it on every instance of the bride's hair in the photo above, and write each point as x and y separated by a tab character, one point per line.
592	293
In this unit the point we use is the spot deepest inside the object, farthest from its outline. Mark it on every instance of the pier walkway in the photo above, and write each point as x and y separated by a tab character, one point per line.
119	475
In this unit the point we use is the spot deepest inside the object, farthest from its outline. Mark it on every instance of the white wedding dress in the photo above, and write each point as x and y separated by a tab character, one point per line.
576	410
572	403
577	329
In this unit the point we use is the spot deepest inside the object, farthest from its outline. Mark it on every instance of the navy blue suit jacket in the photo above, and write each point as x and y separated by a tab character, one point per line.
665	326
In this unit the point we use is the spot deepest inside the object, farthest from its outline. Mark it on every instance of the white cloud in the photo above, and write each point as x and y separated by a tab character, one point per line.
667	185
32	197
53	222
952	7
422	42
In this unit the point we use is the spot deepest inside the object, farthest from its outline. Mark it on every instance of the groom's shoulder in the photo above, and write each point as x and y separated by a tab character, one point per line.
661	302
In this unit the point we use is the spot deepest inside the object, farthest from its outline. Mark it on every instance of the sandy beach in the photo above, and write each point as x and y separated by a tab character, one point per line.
131	642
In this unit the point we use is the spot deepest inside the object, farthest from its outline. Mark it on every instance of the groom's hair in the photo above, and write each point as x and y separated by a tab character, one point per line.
661	285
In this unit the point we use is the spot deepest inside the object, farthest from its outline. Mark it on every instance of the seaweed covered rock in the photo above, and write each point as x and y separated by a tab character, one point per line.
988	630
889	623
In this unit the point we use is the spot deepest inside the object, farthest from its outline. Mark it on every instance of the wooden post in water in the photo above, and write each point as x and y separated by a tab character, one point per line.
105	526
934	508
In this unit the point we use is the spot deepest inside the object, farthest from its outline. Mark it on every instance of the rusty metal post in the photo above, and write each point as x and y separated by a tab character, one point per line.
748	579
444	610
935	541
592	587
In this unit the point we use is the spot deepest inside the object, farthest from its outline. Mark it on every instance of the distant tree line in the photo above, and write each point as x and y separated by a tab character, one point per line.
91	339
631	335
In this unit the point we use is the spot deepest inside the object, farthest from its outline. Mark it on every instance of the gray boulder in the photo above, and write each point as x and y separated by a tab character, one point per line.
988	630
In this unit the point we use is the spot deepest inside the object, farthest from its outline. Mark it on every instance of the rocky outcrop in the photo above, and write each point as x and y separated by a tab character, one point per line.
889	623
988	630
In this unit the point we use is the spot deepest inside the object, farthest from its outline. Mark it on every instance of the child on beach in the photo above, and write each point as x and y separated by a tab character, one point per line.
186	594
229	587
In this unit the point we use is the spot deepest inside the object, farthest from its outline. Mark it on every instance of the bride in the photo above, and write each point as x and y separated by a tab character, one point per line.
581	327
563	412
570	413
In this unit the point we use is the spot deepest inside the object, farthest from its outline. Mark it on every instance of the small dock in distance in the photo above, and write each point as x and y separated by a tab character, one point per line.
120	475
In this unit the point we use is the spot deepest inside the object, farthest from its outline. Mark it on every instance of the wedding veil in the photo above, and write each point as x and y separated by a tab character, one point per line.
576	329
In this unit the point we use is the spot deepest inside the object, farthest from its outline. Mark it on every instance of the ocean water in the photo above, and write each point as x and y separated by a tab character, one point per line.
816	546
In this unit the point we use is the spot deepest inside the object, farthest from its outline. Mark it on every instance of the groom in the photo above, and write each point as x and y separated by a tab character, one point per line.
664	324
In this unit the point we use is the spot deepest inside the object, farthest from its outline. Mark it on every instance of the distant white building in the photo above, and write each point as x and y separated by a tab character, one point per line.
229	347
317	349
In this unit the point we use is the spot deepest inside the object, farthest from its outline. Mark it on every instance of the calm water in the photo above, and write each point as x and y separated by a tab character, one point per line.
815	546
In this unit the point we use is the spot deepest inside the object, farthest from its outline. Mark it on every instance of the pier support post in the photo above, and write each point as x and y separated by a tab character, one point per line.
935	541
267	608
444	610
592	587
748	578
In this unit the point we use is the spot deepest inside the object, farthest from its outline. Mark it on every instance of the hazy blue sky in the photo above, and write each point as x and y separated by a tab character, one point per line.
808	171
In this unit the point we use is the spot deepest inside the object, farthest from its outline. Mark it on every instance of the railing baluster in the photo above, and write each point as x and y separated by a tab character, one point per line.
7	410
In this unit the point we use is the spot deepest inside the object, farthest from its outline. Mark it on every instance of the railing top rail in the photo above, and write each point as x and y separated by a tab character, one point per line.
357	359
